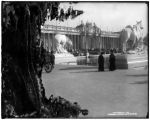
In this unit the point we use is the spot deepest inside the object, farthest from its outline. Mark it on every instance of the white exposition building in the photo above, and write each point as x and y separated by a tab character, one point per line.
81	41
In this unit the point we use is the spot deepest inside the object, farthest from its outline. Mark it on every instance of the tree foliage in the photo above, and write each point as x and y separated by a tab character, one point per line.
23	93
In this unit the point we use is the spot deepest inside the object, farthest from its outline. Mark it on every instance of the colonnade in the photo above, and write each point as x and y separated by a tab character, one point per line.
81	42
109	42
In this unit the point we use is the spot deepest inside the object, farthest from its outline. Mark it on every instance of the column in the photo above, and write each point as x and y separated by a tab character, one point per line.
83	42
72	41
102	42
99	38
48	41
108	42
78	41
111	43
105	40
51	41
75	38
95	45
51	37
54	42
72	36
116	42
108	45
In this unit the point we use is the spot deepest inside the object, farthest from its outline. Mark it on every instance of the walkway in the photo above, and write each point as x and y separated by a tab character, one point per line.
102	93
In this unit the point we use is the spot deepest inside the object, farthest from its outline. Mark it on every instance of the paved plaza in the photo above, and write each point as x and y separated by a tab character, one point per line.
102	93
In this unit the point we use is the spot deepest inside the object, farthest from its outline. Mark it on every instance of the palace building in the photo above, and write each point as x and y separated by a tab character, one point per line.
81	41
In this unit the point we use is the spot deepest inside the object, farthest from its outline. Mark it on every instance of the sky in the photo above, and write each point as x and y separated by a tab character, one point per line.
110	16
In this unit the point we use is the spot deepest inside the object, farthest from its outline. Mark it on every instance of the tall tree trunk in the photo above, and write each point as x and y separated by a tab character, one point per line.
22	76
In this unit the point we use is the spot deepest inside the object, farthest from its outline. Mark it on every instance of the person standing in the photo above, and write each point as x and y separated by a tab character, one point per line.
101	62
112	61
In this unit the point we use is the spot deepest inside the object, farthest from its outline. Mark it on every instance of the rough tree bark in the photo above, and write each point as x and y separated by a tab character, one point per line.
22	88
17	41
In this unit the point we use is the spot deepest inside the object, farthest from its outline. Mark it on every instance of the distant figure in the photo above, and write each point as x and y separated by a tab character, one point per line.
112	60
52	59
101	62
87	54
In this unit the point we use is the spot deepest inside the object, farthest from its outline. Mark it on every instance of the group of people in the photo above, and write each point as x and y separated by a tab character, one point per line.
108	51
112	62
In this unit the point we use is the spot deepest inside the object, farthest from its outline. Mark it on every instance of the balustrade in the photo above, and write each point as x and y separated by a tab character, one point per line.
60	28
74	30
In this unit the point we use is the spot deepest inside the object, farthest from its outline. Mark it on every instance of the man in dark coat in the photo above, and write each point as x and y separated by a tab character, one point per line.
101	62
112	61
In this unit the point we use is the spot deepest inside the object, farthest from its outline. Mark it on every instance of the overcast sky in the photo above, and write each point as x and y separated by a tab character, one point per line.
108	16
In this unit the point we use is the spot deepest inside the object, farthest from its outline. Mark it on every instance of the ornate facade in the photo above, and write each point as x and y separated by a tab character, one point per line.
81	41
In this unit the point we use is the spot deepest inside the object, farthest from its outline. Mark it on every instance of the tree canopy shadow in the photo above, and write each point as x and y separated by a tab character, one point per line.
79	68
140	82
84	71
138	75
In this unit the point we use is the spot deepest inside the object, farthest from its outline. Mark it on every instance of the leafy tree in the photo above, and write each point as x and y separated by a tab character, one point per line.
23	93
